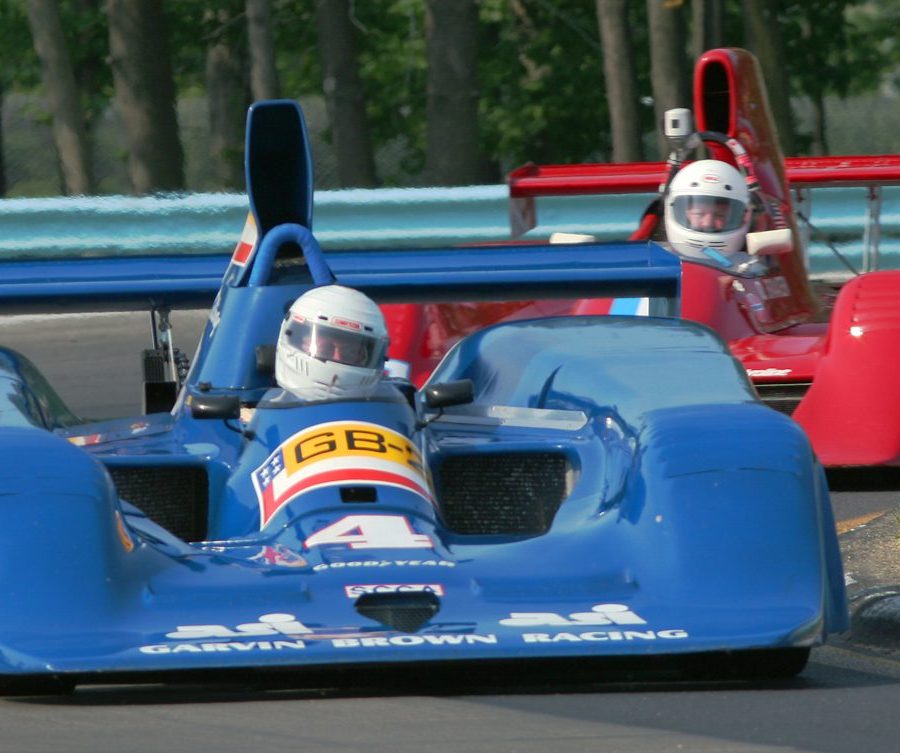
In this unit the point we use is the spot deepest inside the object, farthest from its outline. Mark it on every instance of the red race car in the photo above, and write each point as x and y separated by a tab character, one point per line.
829	355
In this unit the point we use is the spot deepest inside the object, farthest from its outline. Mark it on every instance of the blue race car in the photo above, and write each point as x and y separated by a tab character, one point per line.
564	492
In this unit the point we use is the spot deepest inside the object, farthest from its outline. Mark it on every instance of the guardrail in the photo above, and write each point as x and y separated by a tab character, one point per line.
373	218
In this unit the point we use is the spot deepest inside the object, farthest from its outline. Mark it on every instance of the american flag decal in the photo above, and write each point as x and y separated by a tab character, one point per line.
335	454
245	246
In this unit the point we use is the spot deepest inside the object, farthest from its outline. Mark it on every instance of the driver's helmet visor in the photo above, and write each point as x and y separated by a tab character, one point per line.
708	214
329	343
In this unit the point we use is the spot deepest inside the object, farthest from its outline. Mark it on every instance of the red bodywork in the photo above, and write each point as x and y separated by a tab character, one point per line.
841	376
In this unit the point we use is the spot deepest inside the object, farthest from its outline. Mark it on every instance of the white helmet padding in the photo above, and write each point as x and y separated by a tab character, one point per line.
707	207
332	344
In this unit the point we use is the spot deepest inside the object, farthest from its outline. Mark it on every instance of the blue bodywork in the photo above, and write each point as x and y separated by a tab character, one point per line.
614	487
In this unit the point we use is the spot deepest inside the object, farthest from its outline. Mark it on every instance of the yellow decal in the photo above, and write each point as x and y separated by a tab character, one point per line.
348	439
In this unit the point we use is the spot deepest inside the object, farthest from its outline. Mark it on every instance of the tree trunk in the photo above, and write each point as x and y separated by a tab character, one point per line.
145	94
344	94
3	183
764	40
227	95
706	26
452	153
819	144
263	75
668	67
621	80
58	76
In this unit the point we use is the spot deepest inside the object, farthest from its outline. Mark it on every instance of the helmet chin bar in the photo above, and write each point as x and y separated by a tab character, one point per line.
311	378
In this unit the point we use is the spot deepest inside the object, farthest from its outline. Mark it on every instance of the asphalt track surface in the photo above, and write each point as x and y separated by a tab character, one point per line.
844	702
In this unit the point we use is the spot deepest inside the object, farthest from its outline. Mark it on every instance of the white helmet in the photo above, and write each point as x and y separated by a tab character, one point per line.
332	344
707	211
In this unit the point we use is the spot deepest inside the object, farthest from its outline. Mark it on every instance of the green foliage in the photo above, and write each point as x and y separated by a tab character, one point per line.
542	82
87	36
393	70
19	67
874	31
297	61
540	64
825	52
191	28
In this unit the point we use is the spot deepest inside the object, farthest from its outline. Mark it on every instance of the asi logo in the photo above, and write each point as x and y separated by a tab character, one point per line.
601	614
269	624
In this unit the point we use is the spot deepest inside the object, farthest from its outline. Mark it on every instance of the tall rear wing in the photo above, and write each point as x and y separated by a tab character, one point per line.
531	181
488	272
498	272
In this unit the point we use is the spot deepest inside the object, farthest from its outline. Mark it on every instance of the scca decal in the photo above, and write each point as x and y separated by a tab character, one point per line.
337	453
393	588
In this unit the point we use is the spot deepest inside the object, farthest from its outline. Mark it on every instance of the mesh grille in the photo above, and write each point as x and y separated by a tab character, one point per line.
783	397
175	497
154	362
406	612
512	493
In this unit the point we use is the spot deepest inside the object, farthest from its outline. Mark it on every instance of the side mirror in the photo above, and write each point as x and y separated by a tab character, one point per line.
770	242
265	359
445	394
216	406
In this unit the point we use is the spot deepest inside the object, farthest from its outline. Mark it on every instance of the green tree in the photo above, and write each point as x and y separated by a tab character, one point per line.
260	37
453	148
543	98
227	86
623	101
829	53
344	93
145	94
62	92
18	65
669	65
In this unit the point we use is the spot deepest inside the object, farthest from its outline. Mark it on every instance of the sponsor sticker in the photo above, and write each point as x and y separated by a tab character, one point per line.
393	588
86	440
346	323
776	287
427	639
280	631
615	615
770	372
284	632
600	614
382	563
601	636
337	453
279	555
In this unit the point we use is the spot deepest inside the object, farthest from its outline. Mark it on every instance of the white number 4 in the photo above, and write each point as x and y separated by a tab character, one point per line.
371	532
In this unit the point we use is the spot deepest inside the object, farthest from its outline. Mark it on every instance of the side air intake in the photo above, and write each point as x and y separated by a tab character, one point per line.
175	497
784	397
502	492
